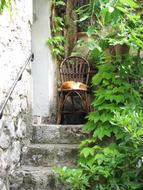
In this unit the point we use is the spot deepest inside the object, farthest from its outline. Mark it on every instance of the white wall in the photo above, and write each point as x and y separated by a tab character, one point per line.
15	47
44	68
15	44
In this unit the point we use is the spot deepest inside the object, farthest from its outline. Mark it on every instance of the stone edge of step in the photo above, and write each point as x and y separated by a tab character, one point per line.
41	170
34	169
46	146
57	126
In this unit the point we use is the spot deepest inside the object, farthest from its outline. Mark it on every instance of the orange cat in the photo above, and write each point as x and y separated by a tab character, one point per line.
72	85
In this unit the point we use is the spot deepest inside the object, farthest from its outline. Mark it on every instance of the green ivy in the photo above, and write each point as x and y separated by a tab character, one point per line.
56	42
111	159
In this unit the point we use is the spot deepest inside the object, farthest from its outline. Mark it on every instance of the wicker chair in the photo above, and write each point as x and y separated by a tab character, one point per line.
74	74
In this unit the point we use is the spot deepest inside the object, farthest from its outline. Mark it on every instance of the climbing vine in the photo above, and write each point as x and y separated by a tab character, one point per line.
111	159
64	27
57	40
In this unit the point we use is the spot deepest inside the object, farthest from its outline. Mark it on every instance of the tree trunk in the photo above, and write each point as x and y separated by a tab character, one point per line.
70	32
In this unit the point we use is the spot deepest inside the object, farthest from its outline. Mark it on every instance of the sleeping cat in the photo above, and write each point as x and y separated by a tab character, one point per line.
72	85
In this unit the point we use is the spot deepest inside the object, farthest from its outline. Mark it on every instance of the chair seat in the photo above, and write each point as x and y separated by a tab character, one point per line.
72	85
70	90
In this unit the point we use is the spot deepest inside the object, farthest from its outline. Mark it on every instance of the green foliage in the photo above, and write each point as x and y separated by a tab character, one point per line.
74	179
56	42
5	4
116	22
117	161
58	3
111	159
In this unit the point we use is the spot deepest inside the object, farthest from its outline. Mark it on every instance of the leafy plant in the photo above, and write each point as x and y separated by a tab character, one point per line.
74	179
111	159
5	4
56	42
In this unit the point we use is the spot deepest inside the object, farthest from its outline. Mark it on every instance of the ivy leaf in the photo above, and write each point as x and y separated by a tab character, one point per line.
87	152
133	18
122	9
98	102
112	107
91	30
131	3
117	98
90	126
107	75
107	68
60	2
112	149
97	79
102	131
86	142
105	116
94	116
83	18
92	44
99	158
134	185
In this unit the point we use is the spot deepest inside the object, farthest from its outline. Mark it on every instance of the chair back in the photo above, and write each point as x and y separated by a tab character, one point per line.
75	68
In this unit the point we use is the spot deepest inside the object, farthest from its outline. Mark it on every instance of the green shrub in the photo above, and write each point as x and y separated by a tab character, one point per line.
112	158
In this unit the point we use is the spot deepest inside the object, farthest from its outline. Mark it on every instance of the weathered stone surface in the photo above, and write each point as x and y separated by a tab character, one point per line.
2	185
51	155
35	178
53	146
62	134
15	47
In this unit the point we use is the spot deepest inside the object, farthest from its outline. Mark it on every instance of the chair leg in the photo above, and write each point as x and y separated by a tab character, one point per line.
59	115
60	107
87	104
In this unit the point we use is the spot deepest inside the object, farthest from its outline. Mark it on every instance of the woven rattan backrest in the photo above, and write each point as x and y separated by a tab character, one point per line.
74	68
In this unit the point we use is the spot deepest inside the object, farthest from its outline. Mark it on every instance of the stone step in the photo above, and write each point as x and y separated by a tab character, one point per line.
34	178
58	134
50	155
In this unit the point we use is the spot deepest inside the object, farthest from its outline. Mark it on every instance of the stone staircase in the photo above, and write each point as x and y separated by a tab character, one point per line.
51	146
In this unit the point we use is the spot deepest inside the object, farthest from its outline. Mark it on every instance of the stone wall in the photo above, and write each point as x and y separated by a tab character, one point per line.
15	47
